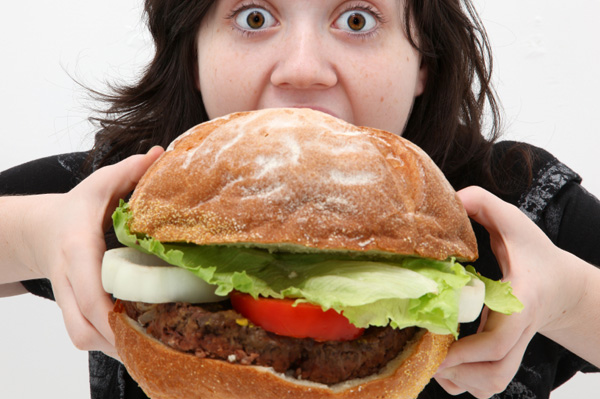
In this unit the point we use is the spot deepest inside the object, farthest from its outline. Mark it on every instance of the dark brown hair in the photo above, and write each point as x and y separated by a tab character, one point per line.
165	102
446	121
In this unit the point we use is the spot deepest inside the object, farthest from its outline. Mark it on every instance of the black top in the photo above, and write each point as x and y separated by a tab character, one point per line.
555	201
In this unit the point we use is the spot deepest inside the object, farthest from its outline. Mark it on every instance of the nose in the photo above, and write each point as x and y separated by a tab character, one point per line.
304	62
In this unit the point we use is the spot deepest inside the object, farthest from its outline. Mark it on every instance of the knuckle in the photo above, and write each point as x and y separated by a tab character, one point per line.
497	387
88	308
455	391
450	386
497	353
82	341
500	350
489	392
500	381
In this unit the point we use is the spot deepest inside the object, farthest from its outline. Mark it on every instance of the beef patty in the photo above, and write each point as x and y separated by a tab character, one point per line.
218	332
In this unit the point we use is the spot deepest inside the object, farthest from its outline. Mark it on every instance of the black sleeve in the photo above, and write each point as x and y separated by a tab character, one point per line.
576	212
573	220
55	174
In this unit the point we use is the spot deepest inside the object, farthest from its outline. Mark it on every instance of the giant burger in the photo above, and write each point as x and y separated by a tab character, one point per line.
284	253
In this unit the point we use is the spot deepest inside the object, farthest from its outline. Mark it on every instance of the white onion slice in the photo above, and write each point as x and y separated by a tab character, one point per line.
471	301
132	275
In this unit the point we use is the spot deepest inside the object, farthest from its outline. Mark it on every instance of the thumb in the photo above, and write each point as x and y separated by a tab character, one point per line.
111	183
497	216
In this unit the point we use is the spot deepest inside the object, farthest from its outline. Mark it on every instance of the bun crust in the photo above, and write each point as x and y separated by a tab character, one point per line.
304	180
164	373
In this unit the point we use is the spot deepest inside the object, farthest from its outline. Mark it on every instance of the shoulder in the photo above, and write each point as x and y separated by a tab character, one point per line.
557	202
540	175
572	221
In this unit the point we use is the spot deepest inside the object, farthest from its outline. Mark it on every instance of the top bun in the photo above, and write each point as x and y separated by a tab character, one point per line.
301	180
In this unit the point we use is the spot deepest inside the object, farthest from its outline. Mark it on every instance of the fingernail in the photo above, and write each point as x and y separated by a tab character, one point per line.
152	148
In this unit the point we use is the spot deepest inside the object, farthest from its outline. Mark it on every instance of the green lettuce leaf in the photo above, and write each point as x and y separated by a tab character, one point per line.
400	291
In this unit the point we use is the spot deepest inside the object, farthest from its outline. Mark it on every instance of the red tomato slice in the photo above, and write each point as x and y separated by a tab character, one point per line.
301	321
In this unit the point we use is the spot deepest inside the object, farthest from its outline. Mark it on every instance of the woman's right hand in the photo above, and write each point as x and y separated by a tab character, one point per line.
66	244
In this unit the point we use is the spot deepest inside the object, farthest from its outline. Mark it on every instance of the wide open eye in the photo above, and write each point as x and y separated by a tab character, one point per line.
356	21
254	19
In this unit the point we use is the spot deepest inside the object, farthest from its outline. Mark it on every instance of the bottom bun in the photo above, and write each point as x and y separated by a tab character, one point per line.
165	373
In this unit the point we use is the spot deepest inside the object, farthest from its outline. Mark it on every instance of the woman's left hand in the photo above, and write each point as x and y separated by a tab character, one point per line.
542	277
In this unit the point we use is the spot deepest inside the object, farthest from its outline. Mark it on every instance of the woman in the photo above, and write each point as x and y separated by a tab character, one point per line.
409	68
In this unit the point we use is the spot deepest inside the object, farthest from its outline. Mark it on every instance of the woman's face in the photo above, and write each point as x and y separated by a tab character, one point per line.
351	59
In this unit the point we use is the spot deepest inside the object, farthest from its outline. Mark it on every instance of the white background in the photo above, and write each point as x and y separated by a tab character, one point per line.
546	71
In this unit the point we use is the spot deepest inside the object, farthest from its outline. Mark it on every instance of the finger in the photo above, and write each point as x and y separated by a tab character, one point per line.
484	316
84	276
83	335
498	335
449	386
483	364
484	379
509	228
490	211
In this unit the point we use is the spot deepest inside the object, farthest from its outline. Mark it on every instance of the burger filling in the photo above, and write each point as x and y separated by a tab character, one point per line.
217	331
382	301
